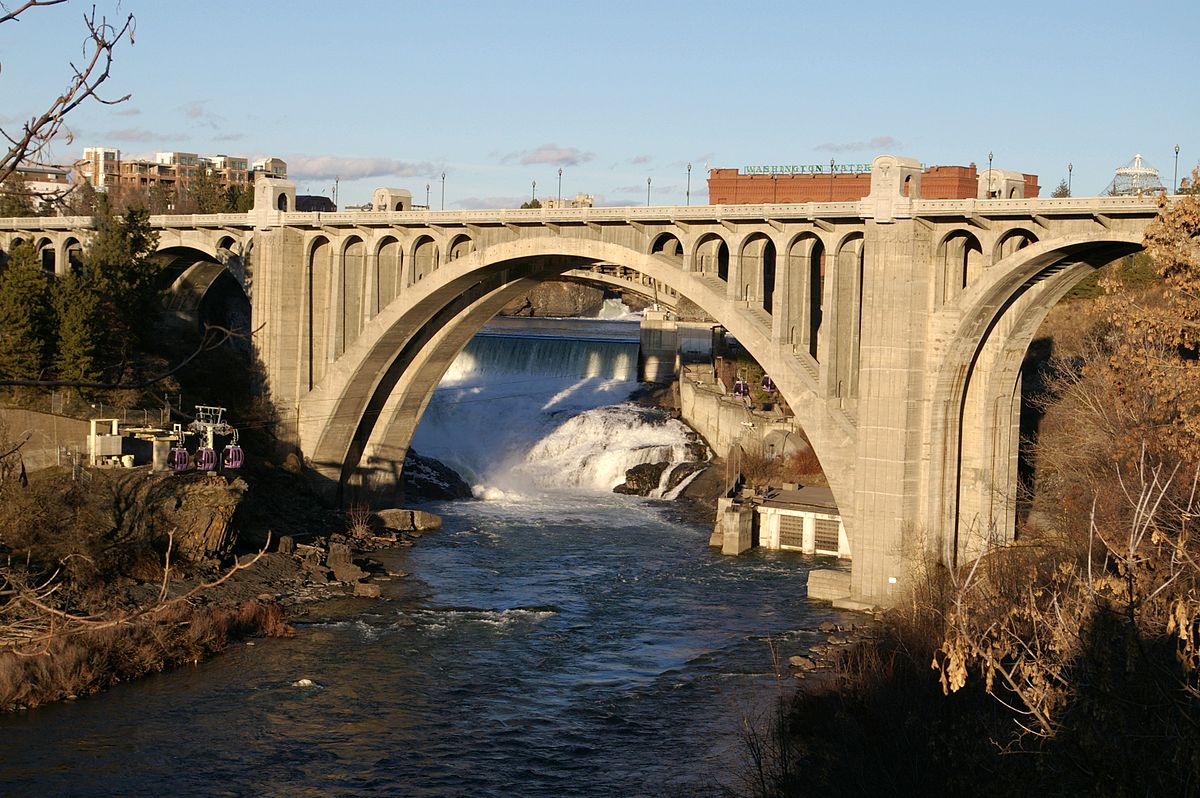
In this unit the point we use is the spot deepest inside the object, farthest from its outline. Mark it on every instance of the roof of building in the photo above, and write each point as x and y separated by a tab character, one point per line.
806	497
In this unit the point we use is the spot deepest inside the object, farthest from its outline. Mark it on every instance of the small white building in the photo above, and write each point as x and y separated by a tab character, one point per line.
580	200
805	519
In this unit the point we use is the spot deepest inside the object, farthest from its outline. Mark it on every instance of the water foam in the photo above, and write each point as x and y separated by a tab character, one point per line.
616	310
520	413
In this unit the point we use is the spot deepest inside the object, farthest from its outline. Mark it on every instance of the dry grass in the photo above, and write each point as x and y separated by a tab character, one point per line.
802	467
86	663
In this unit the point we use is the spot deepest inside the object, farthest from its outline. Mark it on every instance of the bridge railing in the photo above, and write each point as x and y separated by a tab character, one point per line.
619	215
1041	205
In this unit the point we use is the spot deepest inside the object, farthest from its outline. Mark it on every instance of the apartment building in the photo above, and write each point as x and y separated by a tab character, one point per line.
103	167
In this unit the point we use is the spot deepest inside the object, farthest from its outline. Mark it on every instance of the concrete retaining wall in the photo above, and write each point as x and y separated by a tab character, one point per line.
48	433
723	420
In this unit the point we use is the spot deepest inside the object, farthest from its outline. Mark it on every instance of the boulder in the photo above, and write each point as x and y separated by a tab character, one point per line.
403	520
642	479
366	590
801	662
339	561
682	472
827	627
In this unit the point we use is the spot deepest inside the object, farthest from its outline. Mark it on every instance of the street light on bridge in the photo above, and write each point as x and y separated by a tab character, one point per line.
560	186
1070	168
689	185
426	196
1175	175
533	194
647	192
443	191
831	163
990	190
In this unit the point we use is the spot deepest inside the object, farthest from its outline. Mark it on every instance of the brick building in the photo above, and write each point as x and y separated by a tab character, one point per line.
847	183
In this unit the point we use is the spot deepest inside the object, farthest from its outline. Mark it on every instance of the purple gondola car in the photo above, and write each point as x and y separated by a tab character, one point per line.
741	388
234	457
206	459
178	459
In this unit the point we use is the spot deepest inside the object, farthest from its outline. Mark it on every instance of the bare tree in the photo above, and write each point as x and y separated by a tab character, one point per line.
87	76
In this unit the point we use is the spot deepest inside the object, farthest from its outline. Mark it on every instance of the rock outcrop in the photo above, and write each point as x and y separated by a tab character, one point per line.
557	299
642	479
196	511
427	479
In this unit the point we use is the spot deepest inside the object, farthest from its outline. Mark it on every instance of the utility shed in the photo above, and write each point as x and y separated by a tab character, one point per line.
804	519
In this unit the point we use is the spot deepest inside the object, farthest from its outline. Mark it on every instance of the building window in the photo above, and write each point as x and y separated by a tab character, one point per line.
827	535
791	531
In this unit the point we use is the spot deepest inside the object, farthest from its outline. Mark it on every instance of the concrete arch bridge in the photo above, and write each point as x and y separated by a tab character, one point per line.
894	326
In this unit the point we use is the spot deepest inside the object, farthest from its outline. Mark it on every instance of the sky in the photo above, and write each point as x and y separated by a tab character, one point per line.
501	95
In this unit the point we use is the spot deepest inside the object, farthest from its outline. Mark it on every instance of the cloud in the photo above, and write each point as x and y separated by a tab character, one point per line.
325	167
229	137
877	143
640	159
199	114
127	111
550	154
135	134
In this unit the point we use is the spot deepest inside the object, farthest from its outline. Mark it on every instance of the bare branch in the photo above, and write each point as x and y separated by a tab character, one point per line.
102	38
11	16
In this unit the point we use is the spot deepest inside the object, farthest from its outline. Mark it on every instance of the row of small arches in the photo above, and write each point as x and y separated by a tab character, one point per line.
349	281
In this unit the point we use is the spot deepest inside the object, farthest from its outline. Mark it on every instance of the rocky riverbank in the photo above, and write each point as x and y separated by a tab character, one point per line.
128	573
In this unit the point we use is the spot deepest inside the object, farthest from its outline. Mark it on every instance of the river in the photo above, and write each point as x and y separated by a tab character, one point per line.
553	639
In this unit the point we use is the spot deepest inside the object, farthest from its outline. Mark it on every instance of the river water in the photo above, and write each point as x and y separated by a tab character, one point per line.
553	639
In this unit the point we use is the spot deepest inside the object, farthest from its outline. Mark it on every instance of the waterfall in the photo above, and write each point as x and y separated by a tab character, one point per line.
616	310
544	355
535	406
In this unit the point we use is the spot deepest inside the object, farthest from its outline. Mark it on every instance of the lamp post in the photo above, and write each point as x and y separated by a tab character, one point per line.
533	194
989	188
1070	168
443	191
647	192
1175	175
560	186
426	196
831	163
689	185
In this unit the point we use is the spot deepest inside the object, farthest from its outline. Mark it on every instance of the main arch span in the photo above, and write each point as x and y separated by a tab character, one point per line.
894	326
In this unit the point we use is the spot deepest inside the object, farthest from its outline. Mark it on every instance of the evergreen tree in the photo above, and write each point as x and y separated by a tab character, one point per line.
1061	191
26	317
118	257
238	199
205	193
119	272
81	201
15	199
81	329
